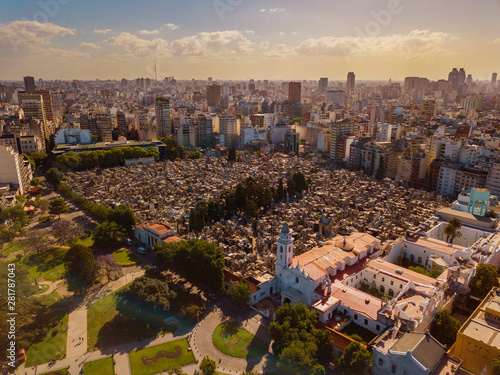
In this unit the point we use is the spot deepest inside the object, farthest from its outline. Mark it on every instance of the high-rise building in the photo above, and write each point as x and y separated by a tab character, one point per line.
493	79
205	131
291	141
456	77
428	108
121	122
468	80
415	83
15	170
322	86
163	121
351	81
47	103
29	84
103	123
213	95
228	126
337	140
295	91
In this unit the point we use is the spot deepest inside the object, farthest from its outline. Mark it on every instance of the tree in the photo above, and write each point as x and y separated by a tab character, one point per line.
38	158
297	342
149	292
452	229
66	232
107	265
280	192
231	156
419	269
58	206
239	293
37	241
109	234
485	278
199	260
124	216
54	176
444	328
21	199
355	359
208	366
296	119
43	205
35	182
381	169
495	368
176	371
195	155
492	214
81	264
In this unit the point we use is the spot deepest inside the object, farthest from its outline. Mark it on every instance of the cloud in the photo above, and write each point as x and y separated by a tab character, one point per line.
102	31
281	50
272	10
57	53
250	32
282	33
137	46
205	43
496	41
264	45
147	32
90	45
26	34
171	26
418	43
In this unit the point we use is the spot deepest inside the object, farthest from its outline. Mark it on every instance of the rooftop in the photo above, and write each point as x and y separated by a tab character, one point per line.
380	266
424	348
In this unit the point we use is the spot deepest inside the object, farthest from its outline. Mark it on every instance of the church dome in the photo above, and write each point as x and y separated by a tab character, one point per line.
344	245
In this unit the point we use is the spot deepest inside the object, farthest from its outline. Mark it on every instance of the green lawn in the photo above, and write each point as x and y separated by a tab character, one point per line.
10	248
49	299
162	364
237	342
48	265
106	326
365	334
125	258
63	371
43	289
89	242
53	346
103	366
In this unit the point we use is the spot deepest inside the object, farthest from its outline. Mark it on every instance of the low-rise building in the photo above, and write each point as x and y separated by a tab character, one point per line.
152	233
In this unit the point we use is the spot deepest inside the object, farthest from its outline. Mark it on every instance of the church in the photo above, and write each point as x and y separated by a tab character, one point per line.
314	278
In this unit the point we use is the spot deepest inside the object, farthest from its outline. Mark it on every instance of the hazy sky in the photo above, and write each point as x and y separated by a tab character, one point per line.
243	39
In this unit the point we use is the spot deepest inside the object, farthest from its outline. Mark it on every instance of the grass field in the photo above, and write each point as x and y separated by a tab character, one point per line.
162	364
62	371
53	346
89	242
49	299
125	258
237	342
43	289
100	367
10	248
48	265
106	326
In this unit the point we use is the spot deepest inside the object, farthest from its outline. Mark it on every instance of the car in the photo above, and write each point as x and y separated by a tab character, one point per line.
153	268
141	250
128	241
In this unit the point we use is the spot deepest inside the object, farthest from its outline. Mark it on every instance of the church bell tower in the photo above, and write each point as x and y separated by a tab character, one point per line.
284	251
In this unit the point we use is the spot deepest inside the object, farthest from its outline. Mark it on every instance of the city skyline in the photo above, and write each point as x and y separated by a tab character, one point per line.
378	40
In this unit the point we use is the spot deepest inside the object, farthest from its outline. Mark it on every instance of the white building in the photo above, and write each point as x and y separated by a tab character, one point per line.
14	170
493	180
446	180
152	233
73	136
384	132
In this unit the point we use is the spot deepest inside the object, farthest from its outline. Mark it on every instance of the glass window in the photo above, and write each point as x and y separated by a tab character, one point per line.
380	362
355	316
366	322
393	369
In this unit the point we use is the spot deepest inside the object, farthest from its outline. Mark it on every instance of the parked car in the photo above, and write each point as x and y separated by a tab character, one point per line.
128	241
141	250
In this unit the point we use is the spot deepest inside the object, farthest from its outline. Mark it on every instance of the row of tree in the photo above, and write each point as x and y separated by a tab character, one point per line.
103	158
249	198
198	260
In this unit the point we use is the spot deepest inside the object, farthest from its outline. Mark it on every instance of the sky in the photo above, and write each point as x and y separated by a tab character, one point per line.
248	39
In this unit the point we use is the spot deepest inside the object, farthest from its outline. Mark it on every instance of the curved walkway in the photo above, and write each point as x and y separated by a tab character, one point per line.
202	344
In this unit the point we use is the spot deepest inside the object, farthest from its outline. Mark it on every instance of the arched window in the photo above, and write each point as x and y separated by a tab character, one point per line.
296	280
382	289
391	293
412	257
419	260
